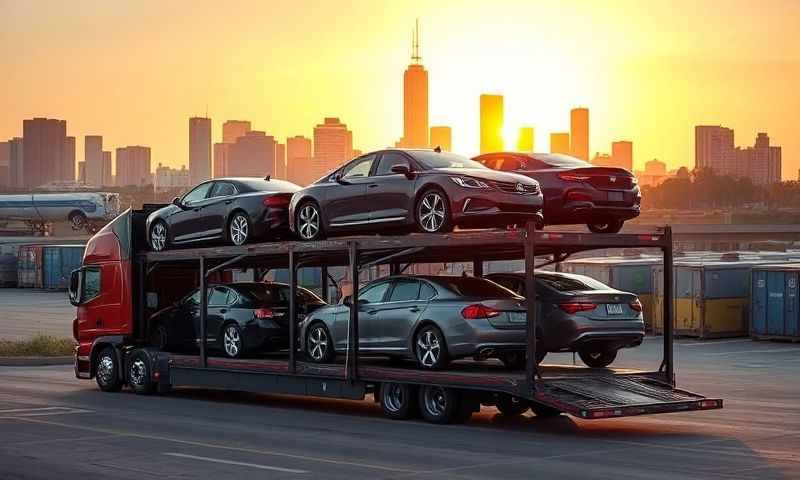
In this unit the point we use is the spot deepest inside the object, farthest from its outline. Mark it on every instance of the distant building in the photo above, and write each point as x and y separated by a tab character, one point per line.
15	160
167	178
5	163
442	137
93	160
579	132
622	154
559	143
603	160
415	99
108	176
714	149
199	149
333	145
491	123
48	155
253	155
298	160
280	160
654	174
525	140
233	129
133	166
221	153
82	172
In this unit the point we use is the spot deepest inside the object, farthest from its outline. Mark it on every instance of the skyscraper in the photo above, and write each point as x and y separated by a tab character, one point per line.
15	162
415	99
298	160
221	153
108	177
253	155
559	143
622	153
199	149
491	111
133	166
5	162
714	148
525	140
333	145
280	160
93	160
48	154
233	129
579	132
442	137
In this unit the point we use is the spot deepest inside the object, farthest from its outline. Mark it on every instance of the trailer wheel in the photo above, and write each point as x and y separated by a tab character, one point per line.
543	411
598	358
440	405
511	406
140	377
107	375
399	400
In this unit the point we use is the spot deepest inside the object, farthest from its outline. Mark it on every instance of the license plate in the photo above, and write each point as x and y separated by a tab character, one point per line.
614	309
615	196
518	317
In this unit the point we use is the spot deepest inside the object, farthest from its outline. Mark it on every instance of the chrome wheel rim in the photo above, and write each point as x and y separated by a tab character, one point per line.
317	343
431	212
393	397
435	401
232	341
239	229
309	222
105	369
137	372
158	236
428	348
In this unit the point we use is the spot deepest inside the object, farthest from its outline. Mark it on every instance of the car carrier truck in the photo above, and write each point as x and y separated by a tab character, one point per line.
121	284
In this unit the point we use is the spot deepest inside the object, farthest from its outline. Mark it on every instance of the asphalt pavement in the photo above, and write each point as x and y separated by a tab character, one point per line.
25	312
55	426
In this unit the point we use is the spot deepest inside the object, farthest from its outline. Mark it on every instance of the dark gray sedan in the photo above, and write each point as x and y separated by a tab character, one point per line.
432	319
580	314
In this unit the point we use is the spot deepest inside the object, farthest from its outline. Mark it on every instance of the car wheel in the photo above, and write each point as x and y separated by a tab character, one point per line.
139	376
232	341
309	222
430	349
610	226
598	358
511	406
107	374
319	344
239	229
440	405
433	212
158	236
399	400
159	338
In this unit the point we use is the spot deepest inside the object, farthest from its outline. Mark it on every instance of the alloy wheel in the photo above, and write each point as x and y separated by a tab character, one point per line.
308	224
432	212
435	401
394	397
105	370
138	371
158	236
239	229
428	348
232	341
318	343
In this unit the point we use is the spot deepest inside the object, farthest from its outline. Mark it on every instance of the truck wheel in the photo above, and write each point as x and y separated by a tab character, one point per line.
232	341
544	411
610	226
107	374
511	406
440	405
430	349
319	344
399	400
596	358
139	375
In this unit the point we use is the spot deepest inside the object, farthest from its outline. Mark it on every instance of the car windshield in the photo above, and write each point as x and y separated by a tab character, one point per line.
476	287
559	160
261	185
266	294
572	283
431	159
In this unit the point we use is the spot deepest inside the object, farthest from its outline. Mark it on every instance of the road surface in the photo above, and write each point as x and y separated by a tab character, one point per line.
26	312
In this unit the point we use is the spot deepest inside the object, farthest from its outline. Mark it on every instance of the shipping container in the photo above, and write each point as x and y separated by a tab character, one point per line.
8	270
774	303
29	266
58	263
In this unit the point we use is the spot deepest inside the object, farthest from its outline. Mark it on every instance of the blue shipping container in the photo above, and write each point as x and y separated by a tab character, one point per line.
775	302
58	263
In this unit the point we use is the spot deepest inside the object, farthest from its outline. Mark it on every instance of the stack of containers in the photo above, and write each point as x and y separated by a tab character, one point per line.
47	266
774	303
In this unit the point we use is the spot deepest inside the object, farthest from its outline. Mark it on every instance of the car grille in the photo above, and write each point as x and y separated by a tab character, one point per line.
511	187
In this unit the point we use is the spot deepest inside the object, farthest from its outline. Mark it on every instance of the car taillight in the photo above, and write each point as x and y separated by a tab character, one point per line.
578	196
575	307
276	201
264	313
573	177
476	311
636	305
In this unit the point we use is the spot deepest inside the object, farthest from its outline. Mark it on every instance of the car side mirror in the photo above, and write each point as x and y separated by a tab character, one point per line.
403	170
338	178
177	202
75	287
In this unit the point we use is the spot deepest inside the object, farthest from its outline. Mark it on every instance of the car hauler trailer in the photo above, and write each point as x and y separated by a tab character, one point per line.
121	284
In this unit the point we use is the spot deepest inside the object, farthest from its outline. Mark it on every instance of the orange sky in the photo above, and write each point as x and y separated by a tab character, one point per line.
648	71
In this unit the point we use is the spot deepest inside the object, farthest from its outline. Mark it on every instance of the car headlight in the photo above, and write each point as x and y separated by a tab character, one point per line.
469	182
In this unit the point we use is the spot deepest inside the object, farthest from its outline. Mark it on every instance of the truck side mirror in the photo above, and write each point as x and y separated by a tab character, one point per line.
75	287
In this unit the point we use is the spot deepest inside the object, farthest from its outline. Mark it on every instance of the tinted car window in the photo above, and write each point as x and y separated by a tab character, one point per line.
265	294
199	193
194	299
261	185
508	164
359	168
222	189
426	292
476	287
389	160
404	291
510	283
219	296
374	294
574	283
431	159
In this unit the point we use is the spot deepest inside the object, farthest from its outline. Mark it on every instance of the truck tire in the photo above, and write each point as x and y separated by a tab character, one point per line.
440	405
511	406
598	358
398	400
140	376
107	370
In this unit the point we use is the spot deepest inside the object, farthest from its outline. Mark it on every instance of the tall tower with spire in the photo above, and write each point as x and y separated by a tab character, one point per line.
415	98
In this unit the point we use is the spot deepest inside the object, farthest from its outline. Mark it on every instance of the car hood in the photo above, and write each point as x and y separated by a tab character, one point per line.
486	174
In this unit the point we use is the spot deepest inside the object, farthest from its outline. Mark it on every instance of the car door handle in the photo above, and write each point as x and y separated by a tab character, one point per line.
372	312
413	309
373	185
228	202
197	209
223	311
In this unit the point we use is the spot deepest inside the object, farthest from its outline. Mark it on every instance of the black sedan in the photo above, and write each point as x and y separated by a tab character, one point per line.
242	317
425	190
575	191
236	210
